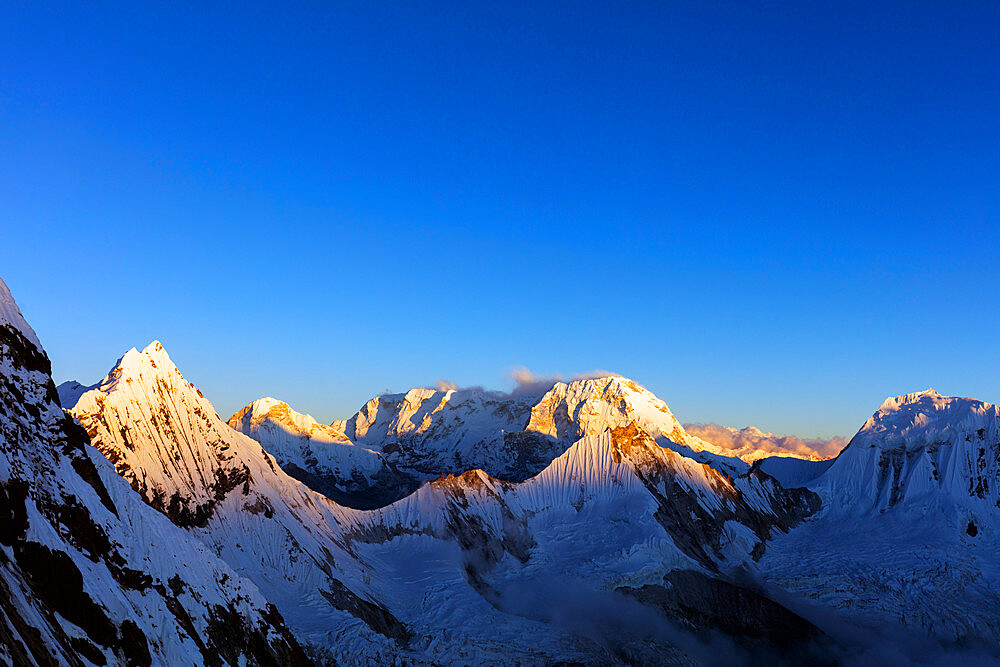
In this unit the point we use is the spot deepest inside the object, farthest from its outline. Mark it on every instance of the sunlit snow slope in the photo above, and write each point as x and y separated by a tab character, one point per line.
399	439
422	577
910	528
166	440
89	574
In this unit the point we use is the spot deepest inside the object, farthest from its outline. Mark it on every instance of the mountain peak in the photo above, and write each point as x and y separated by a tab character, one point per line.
154	347
926	400
274	416
893	402
920	418
266	407
153	359
265	403
604	382
10	314
84	559
69	392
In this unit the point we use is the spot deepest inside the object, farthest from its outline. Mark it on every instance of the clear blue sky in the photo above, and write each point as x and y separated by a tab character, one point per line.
768	213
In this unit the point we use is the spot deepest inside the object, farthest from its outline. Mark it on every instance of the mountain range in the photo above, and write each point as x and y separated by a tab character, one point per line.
577	524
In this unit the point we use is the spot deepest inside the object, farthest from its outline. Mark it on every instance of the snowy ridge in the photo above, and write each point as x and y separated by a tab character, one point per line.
321	456
923	418
88	572
691	501
614	512
70	392
425	432
345	580
10	315
165	438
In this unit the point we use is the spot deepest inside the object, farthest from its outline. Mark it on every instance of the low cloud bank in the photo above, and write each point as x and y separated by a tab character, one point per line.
751	443
526	382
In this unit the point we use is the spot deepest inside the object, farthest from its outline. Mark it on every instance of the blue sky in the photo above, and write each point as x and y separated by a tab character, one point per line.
768	213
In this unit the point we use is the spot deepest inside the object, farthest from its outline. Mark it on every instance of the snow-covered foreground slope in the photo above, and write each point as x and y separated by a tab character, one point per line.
399	439
89	574
910	529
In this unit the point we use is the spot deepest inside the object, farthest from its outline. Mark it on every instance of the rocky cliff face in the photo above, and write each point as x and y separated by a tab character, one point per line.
88	573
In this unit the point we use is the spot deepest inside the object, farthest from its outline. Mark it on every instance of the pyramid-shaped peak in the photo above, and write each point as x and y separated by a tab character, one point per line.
153	356
151	364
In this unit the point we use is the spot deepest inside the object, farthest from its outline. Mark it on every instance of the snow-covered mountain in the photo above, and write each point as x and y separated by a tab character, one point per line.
322	456
614	518
910	525
89	574
923	446
69	392
709	517
397	439
167	441
425	577
577	524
